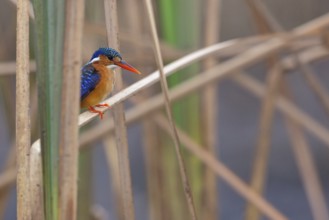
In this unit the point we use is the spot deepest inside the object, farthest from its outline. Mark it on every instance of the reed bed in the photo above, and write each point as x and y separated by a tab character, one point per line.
183	166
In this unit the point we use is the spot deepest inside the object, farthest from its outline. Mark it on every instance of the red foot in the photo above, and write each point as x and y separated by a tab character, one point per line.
92	109
102	105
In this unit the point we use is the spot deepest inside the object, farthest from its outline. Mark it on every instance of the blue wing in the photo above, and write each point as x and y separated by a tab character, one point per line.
89	80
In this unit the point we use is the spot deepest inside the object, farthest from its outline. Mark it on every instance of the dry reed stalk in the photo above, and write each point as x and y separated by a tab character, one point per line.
312	27
23	128
221	170
135	28
176	93
258	177
306	70
306	166
171	53
30	8
318	88
315	191
165	92
262	16
119	118
209	110
70	110
135	101
36	183
10	164
301	150
307	56
263	146
151	146
111	153
85	181
140	42
317	200
153	165
157	194
7	179
288	108
134	21
190	144
7	68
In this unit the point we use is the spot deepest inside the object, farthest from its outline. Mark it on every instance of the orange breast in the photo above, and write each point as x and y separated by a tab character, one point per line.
103	89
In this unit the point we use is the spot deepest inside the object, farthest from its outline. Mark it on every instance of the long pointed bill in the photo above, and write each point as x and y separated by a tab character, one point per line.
123	64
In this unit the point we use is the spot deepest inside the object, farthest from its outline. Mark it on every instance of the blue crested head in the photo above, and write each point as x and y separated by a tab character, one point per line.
113	58
106	51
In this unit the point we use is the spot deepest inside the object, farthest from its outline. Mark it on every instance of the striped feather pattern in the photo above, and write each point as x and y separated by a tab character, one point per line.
89	80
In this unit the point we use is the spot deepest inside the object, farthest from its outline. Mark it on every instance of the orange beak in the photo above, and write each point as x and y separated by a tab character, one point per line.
123	64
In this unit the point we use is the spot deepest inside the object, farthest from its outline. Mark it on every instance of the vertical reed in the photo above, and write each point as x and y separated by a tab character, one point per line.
209	110
85	183
264	138
49	64
306	166
114	171
70	109
36	184
172	16
119	117
23	128
165	92
263	146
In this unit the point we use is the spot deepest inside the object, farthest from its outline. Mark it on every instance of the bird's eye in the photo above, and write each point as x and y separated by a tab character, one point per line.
116	59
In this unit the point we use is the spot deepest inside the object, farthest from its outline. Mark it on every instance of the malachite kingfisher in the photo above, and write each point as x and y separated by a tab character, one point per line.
97	78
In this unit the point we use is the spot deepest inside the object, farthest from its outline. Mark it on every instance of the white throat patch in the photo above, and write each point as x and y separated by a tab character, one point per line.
112	67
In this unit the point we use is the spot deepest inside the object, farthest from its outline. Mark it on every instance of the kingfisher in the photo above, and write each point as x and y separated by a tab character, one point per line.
97	78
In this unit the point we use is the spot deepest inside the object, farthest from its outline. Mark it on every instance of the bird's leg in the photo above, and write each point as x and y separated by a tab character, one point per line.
92	109
102	105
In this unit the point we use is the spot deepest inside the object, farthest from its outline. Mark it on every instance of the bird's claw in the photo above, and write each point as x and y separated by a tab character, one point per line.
93	110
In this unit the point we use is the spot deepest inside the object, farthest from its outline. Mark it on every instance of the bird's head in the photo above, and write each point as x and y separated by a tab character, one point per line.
111	58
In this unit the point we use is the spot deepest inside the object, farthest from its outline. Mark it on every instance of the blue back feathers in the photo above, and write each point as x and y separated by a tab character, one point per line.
106	51
89	80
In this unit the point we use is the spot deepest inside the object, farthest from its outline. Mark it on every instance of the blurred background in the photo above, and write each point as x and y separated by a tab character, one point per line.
224	118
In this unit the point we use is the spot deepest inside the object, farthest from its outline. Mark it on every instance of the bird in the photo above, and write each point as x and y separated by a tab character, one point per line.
98	78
